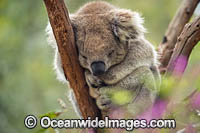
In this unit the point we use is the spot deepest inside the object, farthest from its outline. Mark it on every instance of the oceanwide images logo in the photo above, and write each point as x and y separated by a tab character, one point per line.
129	124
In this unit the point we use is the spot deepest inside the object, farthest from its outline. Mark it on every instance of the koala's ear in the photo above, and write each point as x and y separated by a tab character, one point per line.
126	24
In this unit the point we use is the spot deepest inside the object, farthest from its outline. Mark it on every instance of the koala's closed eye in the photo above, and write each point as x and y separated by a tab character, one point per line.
115	32
111	53
84	57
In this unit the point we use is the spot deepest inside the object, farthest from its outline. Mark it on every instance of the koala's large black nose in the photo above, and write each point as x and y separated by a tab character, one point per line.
98	68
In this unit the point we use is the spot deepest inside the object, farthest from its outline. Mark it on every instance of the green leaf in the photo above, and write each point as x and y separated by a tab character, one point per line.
51	114
121	97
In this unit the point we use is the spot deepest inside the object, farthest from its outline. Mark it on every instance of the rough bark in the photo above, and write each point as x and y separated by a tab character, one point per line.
189	37
63	32
174	29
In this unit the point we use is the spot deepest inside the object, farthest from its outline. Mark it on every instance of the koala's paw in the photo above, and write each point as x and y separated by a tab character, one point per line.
103	102
92	81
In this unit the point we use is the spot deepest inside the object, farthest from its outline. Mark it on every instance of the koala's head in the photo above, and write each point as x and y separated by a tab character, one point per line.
103	39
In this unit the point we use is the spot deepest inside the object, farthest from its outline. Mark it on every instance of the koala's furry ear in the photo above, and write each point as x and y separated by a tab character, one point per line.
126	24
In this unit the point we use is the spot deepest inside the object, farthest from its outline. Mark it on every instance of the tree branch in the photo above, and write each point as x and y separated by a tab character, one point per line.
189	37
175	27
63	32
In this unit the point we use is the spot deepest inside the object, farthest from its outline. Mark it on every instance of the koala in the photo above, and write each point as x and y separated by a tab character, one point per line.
115	56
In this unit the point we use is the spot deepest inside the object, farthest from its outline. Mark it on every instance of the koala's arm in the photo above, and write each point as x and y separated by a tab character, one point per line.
140	53
147	91
94	84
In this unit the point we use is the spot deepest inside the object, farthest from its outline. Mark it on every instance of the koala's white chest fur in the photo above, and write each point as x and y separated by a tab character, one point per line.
114	52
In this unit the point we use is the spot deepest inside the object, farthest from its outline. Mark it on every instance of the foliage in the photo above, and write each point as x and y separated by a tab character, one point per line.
28	84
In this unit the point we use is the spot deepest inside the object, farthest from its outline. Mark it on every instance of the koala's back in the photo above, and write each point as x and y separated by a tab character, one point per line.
96	7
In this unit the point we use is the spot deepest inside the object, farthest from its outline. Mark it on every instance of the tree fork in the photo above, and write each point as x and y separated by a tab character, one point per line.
63	32
188	39
174	29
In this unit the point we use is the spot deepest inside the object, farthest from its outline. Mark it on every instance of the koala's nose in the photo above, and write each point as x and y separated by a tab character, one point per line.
98	68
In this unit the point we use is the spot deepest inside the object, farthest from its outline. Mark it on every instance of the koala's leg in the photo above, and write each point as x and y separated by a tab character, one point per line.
146	90
141	86
103	101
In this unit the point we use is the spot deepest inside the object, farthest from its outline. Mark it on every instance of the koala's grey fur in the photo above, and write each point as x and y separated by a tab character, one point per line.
116	37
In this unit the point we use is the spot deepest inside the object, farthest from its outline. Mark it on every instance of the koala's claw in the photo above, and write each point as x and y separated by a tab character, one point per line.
103	102
103	84
94	86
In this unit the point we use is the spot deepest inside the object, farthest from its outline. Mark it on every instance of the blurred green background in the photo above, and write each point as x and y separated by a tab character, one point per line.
28	83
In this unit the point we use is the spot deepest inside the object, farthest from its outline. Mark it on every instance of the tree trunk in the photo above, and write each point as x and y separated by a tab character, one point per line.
63	32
